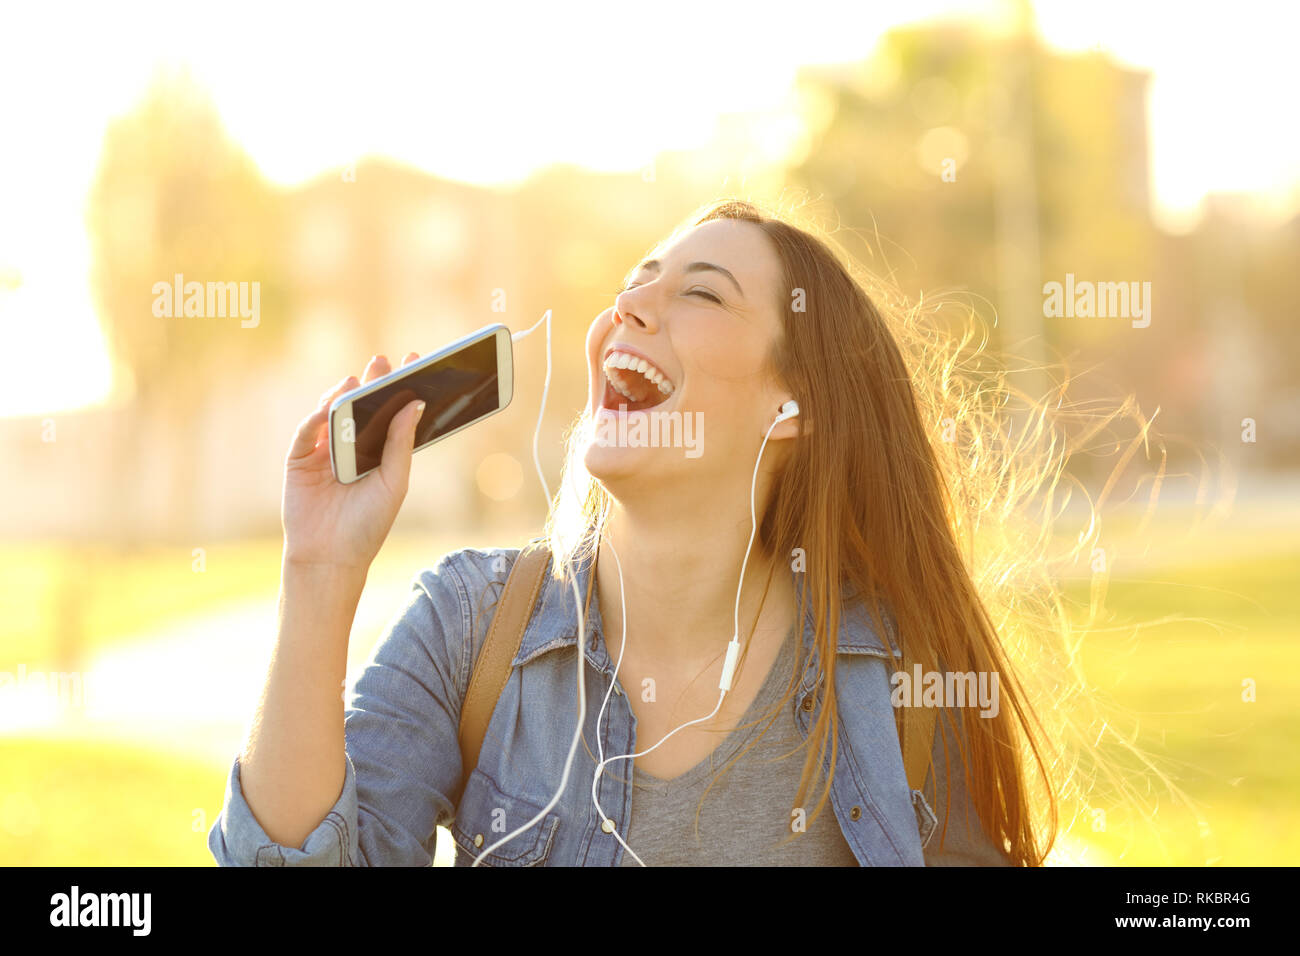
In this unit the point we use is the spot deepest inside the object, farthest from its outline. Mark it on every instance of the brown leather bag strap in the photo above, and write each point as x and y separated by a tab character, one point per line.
492	669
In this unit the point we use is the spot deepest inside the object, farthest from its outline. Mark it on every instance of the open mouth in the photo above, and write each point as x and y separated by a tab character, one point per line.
634	382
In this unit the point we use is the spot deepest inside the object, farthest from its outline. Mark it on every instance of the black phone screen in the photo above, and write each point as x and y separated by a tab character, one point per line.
456	391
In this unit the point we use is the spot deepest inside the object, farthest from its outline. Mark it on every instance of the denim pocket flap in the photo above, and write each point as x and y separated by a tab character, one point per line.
486	815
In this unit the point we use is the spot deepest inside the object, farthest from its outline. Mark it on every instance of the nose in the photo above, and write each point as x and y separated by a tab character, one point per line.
628	308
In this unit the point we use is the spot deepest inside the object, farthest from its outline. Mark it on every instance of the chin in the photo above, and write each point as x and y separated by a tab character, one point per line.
613	463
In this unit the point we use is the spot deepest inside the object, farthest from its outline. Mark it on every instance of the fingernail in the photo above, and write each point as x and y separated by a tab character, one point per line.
419	410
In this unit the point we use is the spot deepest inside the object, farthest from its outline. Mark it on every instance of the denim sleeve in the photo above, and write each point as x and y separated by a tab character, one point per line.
965	843
403	771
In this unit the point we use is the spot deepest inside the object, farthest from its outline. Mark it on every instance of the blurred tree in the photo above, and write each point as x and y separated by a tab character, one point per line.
977	161
988	164
174	195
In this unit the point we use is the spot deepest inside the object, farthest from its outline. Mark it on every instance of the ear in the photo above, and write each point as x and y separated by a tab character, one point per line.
789	428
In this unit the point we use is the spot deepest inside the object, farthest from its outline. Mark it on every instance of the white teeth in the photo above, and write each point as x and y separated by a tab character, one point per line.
624	360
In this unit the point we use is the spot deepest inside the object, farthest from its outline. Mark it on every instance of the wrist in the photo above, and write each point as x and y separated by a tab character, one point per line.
322	579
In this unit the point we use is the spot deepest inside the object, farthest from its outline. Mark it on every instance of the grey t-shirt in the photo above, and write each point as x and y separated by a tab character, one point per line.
748	811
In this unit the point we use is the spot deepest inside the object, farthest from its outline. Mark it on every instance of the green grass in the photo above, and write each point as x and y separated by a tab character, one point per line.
1184	642
88	803
62	603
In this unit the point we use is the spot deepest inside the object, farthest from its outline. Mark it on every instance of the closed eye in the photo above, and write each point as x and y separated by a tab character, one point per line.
704	293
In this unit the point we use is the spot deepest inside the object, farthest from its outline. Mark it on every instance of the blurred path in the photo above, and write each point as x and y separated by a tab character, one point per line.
190	687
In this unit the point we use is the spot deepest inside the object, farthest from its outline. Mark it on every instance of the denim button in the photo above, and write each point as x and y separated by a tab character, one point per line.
608	826
808	703
855	813
478	839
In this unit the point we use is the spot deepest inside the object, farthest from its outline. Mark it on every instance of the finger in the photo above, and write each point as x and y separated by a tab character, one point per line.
376	368
308	434
395	463
410	357
344	385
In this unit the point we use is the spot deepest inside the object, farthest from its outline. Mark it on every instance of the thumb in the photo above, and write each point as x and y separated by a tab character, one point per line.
395	463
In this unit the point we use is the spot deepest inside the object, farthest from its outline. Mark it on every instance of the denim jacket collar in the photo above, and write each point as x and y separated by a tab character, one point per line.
553	625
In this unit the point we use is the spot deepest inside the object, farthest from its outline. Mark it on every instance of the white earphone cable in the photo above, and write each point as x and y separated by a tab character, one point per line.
728	667
577	597
733	648
546	387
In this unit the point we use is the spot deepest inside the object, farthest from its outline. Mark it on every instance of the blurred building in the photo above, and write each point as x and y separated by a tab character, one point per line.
377	258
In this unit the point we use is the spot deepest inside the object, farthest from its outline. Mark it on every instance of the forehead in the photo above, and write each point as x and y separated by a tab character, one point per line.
740	247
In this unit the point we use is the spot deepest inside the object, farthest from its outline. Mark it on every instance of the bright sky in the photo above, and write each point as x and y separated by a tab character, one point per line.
486	93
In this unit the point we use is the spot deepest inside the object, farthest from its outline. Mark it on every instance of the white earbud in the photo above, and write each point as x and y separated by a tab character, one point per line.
789	410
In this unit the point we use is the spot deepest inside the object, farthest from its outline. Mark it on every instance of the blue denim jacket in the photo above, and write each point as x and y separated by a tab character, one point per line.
403	773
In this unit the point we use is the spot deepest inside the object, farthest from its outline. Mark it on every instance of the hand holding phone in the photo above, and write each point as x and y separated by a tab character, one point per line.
331	525
375	425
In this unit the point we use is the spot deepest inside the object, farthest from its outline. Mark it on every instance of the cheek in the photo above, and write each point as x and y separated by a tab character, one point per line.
722	362
598	330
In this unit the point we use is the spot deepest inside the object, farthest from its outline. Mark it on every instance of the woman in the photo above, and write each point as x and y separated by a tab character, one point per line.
860	537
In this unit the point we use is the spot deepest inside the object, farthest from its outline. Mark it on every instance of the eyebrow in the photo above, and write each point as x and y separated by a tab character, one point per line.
694	267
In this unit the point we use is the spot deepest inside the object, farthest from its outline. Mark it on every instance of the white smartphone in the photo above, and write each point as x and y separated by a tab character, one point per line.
461	385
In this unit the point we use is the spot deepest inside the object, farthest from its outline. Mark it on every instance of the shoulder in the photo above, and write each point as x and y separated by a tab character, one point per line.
462	591
468	571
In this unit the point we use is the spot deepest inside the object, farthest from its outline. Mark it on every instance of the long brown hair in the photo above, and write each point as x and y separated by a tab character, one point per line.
889	495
